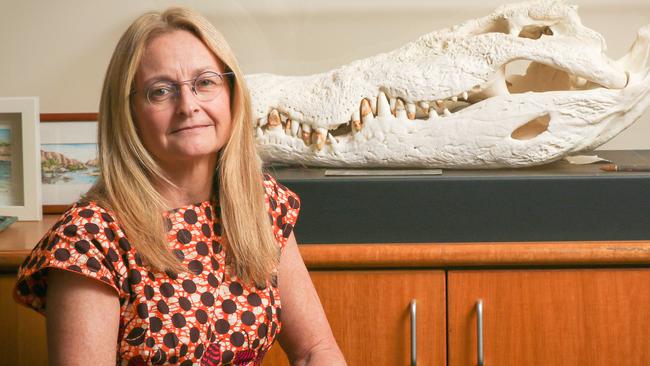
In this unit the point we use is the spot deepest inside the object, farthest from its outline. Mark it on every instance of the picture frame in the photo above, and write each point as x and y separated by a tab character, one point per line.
68	152
20	174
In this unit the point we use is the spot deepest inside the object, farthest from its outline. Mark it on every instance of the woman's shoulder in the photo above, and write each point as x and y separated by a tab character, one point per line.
88	220
87	209
86	240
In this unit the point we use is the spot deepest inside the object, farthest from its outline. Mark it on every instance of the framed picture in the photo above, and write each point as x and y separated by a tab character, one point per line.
68	154
20	189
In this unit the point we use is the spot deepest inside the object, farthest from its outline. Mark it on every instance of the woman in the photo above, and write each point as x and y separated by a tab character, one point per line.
171	257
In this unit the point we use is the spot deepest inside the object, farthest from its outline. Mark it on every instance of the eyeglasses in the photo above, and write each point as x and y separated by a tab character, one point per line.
206	87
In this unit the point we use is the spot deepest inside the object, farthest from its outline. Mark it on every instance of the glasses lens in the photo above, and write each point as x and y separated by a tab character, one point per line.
208	85
160	92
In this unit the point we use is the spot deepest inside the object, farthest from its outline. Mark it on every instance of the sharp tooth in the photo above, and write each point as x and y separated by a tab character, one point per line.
295	126
433	114
287	127
305	134
332	140
410	110
465	95
356	120
373	106
424	109
383	108
319	137
274	119
454	99
333	143
366	113
366	108
446	112
393	103
400	112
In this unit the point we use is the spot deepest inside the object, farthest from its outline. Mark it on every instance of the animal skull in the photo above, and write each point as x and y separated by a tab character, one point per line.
451	100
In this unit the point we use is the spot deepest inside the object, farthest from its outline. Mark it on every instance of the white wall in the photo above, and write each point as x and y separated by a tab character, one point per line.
58	50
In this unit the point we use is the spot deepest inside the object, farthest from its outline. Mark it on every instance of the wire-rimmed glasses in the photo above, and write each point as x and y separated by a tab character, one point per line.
206	86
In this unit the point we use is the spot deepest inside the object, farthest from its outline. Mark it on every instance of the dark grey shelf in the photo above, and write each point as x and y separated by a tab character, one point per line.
558	201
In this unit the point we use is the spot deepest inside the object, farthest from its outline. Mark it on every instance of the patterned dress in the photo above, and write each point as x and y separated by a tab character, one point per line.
204	316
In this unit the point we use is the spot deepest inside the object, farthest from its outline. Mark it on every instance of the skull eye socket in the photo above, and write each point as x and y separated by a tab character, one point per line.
535	31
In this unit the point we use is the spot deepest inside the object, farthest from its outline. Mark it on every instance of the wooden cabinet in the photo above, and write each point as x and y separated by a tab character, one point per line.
22	330
593	310
369	315
551	317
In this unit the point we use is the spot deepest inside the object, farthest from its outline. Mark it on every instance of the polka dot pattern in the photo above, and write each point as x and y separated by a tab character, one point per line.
204	316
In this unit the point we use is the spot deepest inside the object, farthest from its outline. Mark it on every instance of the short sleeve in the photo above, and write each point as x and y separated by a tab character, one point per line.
284	207
85	240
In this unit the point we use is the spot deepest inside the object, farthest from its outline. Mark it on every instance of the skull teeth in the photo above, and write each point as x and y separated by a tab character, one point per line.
318	138
305	133
356	119
382	107
295	127
410	111
366	113
274	119
400	110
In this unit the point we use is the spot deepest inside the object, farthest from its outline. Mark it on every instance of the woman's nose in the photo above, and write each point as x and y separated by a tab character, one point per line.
186	101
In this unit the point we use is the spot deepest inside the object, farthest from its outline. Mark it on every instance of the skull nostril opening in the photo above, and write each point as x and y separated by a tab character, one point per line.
535	31
532	128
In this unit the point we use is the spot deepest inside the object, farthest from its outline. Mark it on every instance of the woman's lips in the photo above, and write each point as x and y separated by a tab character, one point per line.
190	128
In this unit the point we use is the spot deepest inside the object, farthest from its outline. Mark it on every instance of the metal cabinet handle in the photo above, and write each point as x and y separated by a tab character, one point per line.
479	332
413	311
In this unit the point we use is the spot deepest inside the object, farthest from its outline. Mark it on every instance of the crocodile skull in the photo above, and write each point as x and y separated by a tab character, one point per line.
454	99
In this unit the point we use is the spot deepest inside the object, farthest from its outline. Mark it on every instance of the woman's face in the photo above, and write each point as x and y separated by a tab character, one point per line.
184	129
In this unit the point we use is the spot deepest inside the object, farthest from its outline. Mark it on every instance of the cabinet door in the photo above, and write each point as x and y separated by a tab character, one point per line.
22	330
551	317
369	315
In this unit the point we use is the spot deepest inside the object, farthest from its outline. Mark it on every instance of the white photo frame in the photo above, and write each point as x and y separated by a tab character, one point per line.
20	160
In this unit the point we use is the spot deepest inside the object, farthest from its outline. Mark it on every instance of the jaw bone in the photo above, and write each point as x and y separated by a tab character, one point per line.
451	99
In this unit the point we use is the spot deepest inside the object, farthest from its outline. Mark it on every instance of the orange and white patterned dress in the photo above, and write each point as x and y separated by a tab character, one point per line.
204	316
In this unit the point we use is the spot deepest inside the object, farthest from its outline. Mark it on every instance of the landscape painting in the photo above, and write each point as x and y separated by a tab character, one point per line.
67	171
69	163
68	160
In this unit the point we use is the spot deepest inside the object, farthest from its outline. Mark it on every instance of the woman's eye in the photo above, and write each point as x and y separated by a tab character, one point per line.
159	91
207	82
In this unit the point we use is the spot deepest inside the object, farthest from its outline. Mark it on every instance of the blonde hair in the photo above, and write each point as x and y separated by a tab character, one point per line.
128	171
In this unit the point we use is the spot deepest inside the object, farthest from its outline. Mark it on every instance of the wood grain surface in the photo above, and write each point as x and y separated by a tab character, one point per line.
570	317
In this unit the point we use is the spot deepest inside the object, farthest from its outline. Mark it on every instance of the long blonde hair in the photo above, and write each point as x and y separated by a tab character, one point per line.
128	171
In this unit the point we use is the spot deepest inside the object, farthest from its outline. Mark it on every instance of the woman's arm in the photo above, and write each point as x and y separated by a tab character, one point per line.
82	317
306	336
